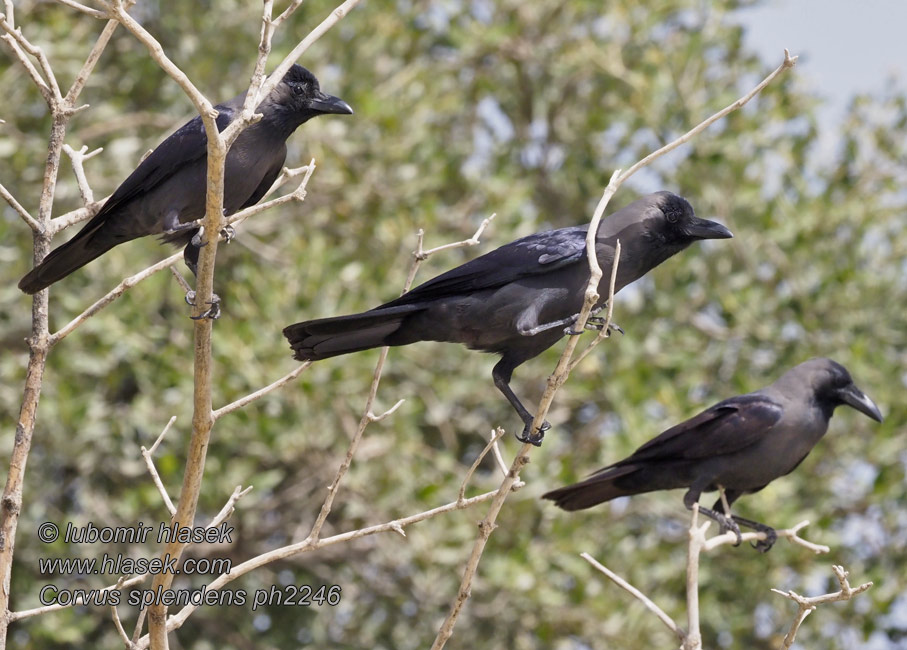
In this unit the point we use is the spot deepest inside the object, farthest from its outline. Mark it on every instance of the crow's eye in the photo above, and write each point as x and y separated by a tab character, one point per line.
671	216
299	89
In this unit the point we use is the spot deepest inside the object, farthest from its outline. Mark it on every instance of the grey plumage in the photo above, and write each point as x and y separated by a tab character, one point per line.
515	300
741	444
167	189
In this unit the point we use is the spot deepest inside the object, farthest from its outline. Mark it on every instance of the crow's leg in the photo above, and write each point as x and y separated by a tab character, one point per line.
172	224
190	257
763	545
501	373
725	522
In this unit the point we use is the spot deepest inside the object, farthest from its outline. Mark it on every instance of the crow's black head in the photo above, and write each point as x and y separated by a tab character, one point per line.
674	222
298	98
833	386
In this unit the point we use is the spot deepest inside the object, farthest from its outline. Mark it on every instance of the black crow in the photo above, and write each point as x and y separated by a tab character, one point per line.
515	300
167	190
741	445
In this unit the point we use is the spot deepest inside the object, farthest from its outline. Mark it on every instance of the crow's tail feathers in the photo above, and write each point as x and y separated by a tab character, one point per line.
73	255
598	488
330	337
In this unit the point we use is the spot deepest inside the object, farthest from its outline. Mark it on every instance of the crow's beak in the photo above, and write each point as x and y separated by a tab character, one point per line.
853	396
705	229
324	103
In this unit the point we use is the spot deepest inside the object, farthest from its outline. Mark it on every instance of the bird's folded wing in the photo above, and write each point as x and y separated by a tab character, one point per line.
538	253
187	145
727	427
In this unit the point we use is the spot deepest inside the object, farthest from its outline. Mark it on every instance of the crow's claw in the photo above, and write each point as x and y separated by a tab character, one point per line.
726	524
598	323
213	312
533	439
765	545
228	232
197	239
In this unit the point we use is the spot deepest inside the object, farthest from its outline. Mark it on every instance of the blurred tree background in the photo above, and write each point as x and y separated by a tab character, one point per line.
464	108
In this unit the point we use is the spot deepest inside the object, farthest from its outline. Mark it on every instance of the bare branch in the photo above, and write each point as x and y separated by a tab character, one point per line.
789	534
496	435
472	241
377	418
97	49
251	397
807	605
789	62
76	216
227	510
636	593
115	615
499	433
22	48
94	13
202	105
146	454
296	195
114	293
78	160
309	544
605	331
33	223
418	257
28	613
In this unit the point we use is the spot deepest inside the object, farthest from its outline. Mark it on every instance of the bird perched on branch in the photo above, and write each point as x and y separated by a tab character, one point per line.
740	445
167	190
516	300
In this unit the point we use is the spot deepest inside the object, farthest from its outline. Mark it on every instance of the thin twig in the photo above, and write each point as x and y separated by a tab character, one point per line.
807	605
115	615
605	331
139	623
368	417
78	159
499	433
309	544
28	613
261	392
472	241
33	223
112	295
789	534
378	418
95	13
229	506
496	435
149	462
636	593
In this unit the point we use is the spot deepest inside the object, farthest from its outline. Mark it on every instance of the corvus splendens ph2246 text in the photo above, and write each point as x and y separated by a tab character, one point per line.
515	300
167	190
741	444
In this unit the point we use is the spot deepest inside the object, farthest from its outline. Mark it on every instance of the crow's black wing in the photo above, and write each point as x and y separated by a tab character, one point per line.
538	253
725	428
186	145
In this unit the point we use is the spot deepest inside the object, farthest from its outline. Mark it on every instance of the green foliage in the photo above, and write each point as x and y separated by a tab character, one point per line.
464	109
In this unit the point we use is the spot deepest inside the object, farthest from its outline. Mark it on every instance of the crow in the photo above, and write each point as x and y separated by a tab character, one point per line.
739	445
167	190
516	300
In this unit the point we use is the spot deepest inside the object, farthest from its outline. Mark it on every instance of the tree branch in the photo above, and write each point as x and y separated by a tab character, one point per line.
805	605
641	597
